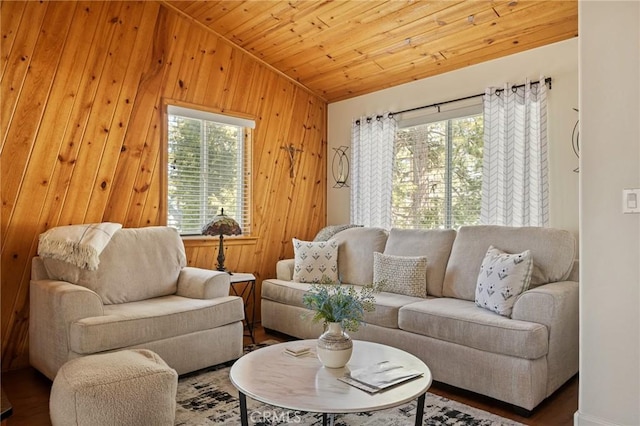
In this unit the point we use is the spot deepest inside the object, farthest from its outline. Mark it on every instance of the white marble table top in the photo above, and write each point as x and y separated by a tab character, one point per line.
301	383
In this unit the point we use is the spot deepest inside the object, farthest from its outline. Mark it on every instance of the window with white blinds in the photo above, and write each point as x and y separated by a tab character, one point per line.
209	168
437	177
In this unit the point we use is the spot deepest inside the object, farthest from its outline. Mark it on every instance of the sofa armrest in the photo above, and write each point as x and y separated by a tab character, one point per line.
284	269
555	305
53	307
198	283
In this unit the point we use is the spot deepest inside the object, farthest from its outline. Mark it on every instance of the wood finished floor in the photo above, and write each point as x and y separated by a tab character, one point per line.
28	392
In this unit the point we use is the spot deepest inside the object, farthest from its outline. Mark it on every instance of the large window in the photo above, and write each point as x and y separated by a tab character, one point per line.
437	177
209	168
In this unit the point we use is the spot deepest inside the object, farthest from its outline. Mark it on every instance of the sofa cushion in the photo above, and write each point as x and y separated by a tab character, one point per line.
502	278
401	274
385	314
136	323
150	257
315	261
553	252
435	244
355	253
462	322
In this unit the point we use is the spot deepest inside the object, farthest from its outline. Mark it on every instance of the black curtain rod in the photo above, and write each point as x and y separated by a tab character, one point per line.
546	81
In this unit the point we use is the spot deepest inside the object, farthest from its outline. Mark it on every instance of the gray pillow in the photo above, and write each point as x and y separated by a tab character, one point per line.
401	274
327	232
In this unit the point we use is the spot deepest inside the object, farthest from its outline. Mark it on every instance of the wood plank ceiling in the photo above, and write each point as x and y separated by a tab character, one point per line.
341	49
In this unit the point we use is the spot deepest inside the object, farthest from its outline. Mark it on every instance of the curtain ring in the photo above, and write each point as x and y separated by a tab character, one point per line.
514	89
357	122
368	119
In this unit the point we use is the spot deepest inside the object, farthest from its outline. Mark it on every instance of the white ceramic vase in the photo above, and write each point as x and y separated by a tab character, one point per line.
334	346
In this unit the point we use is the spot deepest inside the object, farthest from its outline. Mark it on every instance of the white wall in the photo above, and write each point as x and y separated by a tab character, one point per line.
559	61
609	389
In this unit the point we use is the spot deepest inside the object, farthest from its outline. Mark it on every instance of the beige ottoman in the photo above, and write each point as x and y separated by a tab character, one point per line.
130	387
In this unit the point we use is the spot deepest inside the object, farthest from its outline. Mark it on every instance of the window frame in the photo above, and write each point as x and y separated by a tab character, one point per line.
446	116
248	122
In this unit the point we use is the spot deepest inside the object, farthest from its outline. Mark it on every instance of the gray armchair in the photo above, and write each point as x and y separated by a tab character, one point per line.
141	296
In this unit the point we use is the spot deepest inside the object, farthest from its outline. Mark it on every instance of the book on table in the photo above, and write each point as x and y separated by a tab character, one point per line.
377	377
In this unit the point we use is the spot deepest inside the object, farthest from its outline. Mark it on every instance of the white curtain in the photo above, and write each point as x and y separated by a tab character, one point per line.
515	185
372	170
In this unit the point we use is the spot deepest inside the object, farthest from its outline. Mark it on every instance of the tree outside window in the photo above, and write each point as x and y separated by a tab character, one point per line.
208	169
437	180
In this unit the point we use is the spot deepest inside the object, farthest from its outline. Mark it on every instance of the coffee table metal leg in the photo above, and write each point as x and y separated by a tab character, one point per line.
244	421
328	419
420	410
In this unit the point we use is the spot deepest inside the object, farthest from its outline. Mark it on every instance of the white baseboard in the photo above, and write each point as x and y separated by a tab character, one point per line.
581	419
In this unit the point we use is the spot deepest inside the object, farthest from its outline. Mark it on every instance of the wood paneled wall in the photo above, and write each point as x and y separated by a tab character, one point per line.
82	85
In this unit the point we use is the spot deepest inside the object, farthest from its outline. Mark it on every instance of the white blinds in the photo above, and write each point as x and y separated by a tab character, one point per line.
437	174
209	167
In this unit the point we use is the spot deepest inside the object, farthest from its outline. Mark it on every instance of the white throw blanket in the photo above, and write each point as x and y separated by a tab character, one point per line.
79	245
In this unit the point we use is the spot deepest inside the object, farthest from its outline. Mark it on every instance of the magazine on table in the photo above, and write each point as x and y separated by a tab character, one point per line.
379	376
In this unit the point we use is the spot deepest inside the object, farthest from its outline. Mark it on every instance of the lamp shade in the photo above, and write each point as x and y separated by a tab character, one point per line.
222	225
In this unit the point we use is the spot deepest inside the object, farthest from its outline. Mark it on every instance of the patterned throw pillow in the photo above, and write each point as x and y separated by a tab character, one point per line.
503	277
313	260
402	274
327	232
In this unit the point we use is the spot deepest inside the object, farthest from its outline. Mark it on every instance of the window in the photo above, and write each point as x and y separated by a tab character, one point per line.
209	168
437	174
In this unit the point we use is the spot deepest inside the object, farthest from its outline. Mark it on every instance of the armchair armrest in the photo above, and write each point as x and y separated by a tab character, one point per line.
53	307
284	269
555	305
197	283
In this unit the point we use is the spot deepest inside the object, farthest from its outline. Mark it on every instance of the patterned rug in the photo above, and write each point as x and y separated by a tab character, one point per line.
207	397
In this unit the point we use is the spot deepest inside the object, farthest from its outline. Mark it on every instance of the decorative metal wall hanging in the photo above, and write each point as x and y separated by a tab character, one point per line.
575	140
340	167
291	150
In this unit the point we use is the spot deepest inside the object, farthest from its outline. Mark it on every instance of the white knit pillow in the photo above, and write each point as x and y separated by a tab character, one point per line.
502	278
401	274
315	260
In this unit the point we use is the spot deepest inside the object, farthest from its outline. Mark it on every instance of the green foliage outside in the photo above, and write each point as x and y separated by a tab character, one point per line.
205	172
426	193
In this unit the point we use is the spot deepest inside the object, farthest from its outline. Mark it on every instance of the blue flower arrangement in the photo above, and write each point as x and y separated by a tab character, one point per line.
334	302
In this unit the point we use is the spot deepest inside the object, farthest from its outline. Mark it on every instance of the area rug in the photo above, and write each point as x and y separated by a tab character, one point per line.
207	397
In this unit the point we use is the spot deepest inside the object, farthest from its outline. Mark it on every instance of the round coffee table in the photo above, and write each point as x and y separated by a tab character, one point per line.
301	383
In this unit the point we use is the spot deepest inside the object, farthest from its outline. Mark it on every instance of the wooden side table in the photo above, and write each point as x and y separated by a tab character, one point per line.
250	290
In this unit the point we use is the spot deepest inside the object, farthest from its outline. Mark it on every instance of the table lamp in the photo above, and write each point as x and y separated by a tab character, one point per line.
221	225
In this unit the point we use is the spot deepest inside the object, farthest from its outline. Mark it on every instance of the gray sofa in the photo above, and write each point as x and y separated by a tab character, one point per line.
521	359
141	296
